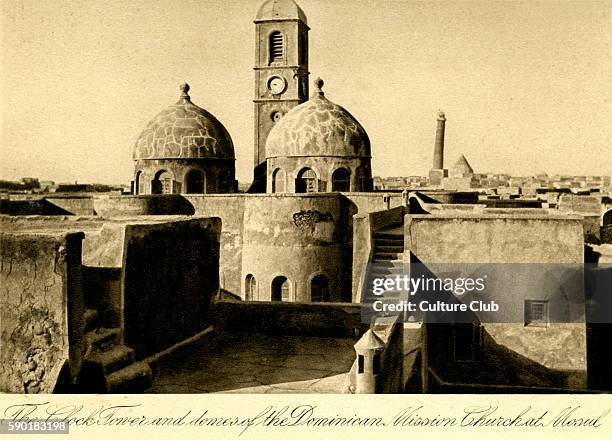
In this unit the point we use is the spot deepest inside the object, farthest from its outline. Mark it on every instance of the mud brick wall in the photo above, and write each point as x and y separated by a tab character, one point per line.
41	298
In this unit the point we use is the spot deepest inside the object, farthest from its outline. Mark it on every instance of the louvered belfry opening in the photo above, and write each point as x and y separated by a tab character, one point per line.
276	47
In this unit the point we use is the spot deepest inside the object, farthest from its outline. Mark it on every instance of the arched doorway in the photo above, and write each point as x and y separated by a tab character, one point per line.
163	183
280	289
195	182
250	288
319	289
278	181
341	180
306	181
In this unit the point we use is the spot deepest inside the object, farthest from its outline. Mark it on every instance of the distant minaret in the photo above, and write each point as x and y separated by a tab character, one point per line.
437	173
438	161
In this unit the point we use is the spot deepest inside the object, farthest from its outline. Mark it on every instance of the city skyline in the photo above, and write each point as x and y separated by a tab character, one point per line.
523	85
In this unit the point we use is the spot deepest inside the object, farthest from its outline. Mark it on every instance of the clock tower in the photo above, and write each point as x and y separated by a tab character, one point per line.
281	72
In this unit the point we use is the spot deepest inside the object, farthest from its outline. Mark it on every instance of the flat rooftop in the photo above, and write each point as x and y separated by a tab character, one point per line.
237	362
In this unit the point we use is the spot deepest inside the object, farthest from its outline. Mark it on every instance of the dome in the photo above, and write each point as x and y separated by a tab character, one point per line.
184	131
318	127
280	10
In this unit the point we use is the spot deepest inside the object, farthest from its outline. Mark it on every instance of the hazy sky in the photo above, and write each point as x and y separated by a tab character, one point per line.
526	86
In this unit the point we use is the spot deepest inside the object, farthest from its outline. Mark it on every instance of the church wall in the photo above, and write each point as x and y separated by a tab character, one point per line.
252	225
230	209
298	237
457	238
322	166
179	168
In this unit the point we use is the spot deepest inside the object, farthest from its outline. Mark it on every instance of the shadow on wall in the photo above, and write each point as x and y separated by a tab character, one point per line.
31	207
468	358
162	204
485	364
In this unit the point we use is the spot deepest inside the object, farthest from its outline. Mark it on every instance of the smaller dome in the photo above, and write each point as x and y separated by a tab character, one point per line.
280	10
318	127
184	131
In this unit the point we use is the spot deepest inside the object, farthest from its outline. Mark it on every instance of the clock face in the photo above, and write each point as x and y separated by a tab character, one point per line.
277	85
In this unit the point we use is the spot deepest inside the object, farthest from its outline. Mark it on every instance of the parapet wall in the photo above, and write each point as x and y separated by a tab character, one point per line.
301	319
41	310
494	238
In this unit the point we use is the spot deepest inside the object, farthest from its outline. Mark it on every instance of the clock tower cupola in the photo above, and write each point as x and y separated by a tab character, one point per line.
281	72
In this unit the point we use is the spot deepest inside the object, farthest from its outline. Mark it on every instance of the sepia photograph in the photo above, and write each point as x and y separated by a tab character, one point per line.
310	197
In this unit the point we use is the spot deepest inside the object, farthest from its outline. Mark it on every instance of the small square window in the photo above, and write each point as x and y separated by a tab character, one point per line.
536	313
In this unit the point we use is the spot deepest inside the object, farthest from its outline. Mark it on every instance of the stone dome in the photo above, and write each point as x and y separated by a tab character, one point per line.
280	10
318	127
184	131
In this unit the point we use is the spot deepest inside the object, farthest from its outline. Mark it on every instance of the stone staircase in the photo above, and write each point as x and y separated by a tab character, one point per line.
109	366
386	259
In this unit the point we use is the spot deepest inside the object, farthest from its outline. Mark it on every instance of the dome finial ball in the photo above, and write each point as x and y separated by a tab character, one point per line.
184	88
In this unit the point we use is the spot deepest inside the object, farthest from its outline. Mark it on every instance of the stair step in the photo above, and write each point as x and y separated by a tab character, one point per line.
387	255
133	378
387	265
90	318
389	248
102	338
389	235
388	241
112	359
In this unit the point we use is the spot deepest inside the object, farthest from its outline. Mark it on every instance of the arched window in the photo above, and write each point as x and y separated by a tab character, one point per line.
250	288
341	180
280	289
319	289
607	218
278	181
196	182
306	181
139	183
163	183
276	47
